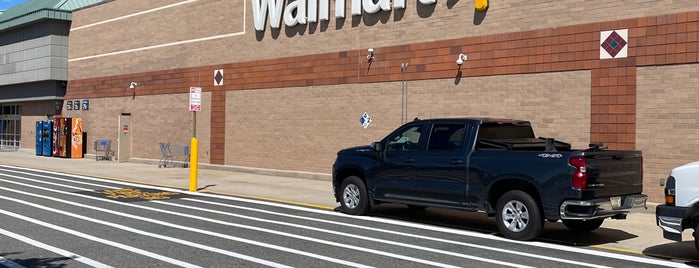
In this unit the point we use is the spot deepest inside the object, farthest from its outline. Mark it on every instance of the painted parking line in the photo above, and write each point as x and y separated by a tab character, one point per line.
62	252
400	223
337	233
175	240
94	238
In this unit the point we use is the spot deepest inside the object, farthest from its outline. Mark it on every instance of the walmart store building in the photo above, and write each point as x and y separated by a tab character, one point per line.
284	84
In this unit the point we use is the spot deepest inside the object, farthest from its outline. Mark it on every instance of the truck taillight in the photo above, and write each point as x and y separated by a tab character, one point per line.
670	191
579	177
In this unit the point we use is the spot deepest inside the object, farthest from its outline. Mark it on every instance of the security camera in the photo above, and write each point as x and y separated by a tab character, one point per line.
133	85
461	59
370	56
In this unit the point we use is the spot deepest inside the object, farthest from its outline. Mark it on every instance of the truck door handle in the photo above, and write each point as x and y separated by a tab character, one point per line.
409	160
457	161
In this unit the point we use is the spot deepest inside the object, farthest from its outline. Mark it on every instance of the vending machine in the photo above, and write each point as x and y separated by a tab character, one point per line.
62	136
46	137
39	143
76	138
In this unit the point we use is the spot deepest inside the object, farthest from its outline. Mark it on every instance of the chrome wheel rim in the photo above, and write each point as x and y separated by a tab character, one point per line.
350	196
515	216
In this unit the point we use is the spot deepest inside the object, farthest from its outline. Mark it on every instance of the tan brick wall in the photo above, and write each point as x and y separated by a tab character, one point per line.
303	128
417	23
29	131
668	121
154	119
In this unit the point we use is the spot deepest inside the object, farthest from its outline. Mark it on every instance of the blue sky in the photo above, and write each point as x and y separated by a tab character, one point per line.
7	4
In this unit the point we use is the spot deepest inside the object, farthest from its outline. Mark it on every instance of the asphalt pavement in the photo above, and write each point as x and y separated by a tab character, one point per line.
638	234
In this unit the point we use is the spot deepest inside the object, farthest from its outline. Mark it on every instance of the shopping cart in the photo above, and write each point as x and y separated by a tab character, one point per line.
168	159
103	150
166	155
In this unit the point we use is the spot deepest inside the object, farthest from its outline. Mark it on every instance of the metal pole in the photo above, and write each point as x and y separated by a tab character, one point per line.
193	155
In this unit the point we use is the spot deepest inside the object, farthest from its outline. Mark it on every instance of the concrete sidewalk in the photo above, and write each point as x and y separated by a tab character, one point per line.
637	234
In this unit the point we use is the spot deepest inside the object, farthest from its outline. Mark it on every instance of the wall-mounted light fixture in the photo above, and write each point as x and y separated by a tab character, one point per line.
370	55
461	59
132	86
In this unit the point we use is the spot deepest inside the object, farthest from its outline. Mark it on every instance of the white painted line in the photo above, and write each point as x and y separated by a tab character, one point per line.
377	252
133	15
93	238
317	229
158	46
166	238
53	249
489	248
208	38
389	221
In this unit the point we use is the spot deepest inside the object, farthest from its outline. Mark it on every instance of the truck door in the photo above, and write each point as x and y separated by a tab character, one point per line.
395	178
441	173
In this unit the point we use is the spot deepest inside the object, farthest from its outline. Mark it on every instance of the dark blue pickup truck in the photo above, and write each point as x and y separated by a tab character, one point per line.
494	166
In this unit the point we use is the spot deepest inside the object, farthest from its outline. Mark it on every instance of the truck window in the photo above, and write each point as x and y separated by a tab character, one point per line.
446	137
505	132
407	140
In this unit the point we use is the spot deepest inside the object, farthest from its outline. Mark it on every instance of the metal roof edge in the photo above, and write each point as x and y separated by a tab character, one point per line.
44	13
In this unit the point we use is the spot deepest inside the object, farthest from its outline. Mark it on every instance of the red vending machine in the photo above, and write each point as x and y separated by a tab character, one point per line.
76	138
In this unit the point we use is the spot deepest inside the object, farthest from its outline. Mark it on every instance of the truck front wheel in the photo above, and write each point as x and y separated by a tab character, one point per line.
354	199
518	216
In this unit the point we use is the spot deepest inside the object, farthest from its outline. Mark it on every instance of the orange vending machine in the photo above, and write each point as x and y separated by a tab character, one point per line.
76	139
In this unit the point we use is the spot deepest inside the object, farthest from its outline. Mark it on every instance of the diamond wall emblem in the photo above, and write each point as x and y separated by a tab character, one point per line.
613	44
218	77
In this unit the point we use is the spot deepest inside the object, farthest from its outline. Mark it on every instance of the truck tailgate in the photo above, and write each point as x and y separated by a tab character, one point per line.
613	173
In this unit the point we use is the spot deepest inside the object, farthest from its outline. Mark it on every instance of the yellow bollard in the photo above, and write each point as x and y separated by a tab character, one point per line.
193	164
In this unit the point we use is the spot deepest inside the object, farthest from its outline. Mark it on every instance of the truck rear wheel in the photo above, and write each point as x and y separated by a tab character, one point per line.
518	216
580	226
354	199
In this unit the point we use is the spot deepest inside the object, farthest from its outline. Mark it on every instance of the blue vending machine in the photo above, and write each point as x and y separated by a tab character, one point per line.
39	144
47	137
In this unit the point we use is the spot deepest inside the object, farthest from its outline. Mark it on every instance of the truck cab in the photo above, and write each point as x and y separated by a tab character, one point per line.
681	208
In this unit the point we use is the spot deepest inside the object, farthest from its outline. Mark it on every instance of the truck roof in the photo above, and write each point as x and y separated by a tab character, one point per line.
481	120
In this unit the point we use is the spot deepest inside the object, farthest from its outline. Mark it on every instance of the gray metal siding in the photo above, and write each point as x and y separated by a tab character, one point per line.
39	59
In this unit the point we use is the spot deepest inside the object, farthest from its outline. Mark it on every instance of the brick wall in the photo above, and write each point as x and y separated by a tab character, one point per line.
301	128
668	121
143	34
154	119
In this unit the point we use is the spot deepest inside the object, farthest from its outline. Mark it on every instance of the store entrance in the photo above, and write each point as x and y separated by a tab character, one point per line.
10	127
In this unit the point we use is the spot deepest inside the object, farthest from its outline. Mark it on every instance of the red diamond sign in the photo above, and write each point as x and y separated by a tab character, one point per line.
613	44
218	77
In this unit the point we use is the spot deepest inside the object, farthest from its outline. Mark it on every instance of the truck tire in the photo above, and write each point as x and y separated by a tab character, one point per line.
580	226
518	216
696	237
354	199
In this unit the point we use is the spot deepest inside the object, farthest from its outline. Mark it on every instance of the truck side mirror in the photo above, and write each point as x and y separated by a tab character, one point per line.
376	146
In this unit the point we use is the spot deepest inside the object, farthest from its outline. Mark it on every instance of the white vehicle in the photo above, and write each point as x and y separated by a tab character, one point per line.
681	209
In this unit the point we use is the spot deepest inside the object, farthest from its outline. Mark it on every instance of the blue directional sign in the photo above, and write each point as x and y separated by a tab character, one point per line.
365	120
